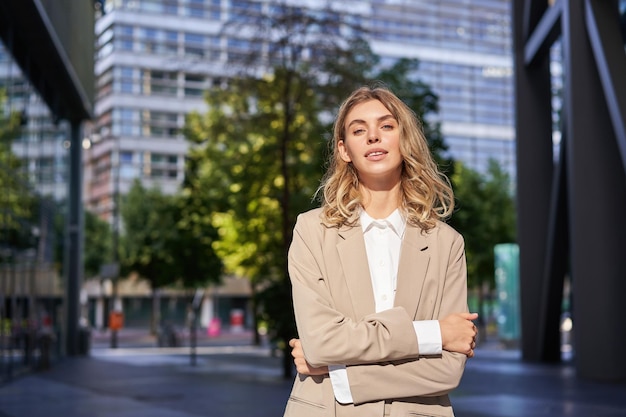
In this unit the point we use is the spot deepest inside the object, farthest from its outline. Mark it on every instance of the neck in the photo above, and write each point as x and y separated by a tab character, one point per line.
382	202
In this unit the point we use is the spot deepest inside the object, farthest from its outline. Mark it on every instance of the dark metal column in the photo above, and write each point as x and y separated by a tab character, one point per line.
73	240
597	198
534	173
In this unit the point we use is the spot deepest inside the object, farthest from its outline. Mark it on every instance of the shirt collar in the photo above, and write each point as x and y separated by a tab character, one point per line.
395	221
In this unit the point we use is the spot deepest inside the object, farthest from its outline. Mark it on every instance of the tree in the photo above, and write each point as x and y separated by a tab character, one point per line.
97	243
197	262
485	216
257	154
164	245
9	123
268	140
97	237
255	164
18	199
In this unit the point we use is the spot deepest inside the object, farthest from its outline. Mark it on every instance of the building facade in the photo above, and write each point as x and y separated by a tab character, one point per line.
42	143
155	58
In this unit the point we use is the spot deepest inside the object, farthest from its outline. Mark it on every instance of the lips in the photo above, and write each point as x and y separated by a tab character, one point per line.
374	153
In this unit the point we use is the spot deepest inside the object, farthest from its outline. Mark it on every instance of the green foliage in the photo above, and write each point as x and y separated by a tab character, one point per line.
9	124
164	242
258	153
147	229
197	262
17	198
97	243
96	238
485	215
256	163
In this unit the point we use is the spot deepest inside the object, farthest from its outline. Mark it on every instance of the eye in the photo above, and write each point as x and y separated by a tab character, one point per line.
387	127
358	131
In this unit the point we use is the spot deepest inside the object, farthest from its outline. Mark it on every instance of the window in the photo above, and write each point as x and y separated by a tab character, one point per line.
194	85
123	121
127	167
239	49
163	166
170	45
194	44
216	11
124	37
103	124
148	40
125	79
104	83
160	124
163	159
195	8
45	169
159	83
215	47
244	10
170	7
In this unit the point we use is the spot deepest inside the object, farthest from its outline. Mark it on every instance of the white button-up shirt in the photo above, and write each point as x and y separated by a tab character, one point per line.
383	239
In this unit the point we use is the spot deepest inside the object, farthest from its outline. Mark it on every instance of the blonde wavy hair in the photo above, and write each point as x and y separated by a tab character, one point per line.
426	194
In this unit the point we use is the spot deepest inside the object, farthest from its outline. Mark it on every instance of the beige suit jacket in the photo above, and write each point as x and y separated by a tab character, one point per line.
337	323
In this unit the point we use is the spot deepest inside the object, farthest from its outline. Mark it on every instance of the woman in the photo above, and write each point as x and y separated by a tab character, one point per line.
379	281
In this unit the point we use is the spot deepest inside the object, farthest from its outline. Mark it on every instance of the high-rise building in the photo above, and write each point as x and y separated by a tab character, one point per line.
42	143
155	58
464	49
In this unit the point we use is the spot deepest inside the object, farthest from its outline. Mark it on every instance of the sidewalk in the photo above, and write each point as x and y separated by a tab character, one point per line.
232	378
497	383
141	337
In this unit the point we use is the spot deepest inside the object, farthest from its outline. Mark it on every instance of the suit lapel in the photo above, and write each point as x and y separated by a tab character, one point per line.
412	268
353	257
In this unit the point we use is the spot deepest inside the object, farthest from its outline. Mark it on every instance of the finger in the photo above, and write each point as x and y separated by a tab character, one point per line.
297	351
469	316
292	342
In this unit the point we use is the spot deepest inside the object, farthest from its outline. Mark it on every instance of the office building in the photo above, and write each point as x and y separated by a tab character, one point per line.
155	58
42	143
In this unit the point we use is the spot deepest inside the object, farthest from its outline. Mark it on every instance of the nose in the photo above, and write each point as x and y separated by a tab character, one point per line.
373	139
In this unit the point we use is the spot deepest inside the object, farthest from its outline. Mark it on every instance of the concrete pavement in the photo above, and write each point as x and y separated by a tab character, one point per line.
232	378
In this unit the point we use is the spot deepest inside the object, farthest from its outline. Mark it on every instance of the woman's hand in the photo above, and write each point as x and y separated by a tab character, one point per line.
458	333
302	366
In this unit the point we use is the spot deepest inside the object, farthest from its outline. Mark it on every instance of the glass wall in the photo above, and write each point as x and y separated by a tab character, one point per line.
33	185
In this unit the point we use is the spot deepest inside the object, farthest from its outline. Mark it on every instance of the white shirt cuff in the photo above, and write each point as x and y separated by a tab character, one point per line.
341	385
428	337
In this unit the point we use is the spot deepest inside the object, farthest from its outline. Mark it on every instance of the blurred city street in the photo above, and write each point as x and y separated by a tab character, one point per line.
231	377
155	153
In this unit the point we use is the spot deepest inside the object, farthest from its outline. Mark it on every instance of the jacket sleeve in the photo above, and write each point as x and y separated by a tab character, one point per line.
426	376
329	337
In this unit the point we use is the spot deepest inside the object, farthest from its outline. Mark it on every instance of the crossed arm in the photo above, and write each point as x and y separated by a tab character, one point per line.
458	334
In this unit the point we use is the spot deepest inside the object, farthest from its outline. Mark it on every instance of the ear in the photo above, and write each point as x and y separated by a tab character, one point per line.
343	152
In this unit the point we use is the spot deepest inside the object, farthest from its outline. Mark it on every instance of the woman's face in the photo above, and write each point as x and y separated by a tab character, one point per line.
372	143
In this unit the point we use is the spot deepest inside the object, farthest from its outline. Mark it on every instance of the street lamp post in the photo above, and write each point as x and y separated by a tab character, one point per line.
115	308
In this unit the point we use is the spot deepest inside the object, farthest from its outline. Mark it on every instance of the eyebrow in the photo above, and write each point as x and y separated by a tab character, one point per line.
380	119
